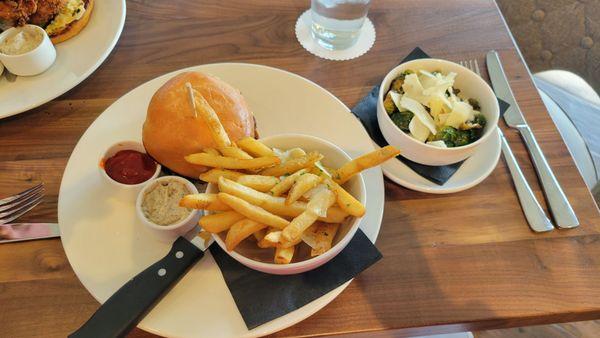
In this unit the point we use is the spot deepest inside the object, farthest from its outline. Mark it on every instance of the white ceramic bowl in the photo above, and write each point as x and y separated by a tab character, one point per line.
334	157
171	231
33	62
125	191
469	83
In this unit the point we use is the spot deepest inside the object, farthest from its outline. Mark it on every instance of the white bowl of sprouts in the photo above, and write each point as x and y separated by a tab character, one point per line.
436	112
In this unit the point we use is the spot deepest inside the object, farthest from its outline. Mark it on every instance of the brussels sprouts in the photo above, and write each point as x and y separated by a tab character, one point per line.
402	119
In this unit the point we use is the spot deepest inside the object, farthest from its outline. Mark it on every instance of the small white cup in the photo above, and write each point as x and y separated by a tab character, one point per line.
168	232
125	191
33	62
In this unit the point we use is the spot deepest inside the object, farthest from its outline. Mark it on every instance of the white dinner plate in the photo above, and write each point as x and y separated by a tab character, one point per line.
106	245
475	169
76	59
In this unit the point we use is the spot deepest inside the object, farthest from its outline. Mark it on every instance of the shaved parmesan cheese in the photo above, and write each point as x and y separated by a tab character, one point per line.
439	89
441	119
418	130
312	192
396	97
420	112
414	89
460	114
439	144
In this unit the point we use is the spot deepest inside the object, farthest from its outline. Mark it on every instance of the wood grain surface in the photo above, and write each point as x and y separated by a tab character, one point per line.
465	261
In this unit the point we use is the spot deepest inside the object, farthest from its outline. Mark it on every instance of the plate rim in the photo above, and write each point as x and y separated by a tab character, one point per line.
441	190
331	295
84	76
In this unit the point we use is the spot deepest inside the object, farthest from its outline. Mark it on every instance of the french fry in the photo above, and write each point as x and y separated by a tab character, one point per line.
269	241
275	205
345	200
284	255
235	152
258	182
319	204
315	208
295	153
285	184
309	236
255	147
212	176
293	165
203	108
240	230
209	160
216	223
203	202
253	212
363	162
260	234
211	151
303	184
293	232
324	235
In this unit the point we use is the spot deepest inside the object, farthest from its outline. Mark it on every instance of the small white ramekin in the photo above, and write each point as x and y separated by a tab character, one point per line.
180	228
334	157
469	83
125	191
33	62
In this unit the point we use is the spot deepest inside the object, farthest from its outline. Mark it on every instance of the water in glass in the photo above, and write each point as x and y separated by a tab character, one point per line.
336	24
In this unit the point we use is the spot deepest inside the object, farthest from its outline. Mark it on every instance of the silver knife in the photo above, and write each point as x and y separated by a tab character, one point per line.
561	210
537	219
17	232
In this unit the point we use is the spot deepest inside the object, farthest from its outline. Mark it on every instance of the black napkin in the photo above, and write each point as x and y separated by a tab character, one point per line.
366	111
262	297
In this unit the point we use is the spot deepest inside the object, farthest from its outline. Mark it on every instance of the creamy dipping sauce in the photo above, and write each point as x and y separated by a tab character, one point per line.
25	40
160	204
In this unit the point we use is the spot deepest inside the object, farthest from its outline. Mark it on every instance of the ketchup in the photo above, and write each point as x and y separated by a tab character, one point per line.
130	167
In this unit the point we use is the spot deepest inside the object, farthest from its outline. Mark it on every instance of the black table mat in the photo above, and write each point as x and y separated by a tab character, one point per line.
262	297
366	111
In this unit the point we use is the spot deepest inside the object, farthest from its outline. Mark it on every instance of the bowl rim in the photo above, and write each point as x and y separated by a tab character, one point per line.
4	35
329	254
484	84
174	226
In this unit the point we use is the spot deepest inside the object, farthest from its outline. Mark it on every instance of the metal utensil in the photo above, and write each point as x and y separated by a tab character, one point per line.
558	203
537	219
17	232
17	205
126	307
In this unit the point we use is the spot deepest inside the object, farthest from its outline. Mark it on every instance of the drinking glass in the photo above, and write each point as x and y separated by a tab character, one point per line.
336	24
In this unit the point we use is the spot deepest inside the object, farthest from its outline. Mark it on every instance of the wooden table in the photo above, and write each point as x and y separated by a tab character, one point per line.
456	262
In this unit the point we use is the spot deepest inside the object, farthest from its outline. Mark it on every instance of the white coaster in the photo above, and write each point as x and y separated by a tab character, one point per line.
364	43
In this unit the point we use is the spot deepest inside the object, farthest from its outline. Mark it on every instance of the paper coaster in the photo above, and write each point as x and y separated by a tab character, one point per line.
364	43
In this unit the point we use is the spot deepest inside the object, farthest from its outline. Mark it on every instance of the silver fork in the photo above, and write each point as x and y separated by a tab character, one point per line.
17	205
537	219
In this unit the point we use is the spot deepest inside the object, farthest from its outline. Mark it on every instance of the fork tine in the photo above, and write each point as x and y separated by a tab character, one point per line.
20	201
16	213
477	68
21	194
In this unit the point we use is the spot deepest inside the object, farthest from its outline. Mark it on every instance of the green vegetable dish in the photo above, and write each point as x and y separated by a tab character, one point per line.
426	106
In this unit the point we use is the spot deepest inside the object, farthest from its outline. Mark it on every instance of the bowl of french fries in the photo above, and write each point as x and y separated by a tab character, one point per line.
284	204
292	215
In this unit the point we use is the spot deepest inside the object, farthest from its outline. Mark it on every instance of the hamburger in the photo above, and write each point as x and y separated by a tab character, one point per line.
173	130
62	19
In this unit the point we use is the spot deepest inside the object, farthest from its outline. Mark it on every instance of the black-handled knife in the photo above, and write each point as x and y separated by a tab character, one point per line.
124	309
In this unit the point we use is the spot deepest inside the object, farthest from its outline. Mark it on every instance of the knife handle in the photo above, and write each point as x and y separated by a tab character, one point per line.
532	209
559	206
124	309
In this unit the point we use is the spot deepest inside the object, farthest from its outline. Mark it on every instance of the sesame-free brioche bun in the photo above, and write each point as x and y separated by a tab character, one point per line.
172	131
74	27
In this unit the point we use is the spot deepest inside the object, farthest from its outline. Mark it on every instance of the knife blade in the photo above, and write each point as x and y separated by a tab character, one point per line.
128	305
559	205
17	232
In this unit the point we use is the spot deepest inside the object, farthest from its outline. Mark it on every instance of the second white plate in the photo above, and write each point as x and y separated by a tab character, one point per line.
475	169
